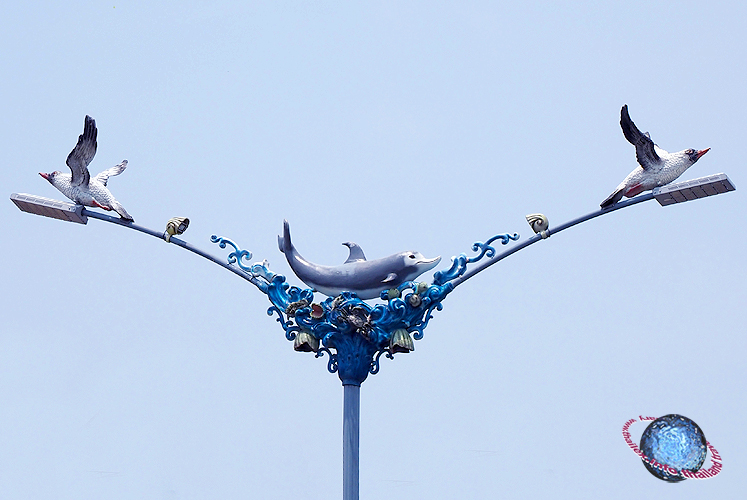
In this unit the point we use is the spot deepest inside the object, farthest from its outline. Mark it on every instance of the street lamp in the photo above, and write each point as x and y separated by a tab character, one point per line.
49	208
352	333
692	190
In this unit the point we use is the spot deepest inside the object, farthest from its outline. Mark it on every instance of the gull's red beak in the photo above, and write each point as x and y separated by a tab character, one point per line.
701	153
46	176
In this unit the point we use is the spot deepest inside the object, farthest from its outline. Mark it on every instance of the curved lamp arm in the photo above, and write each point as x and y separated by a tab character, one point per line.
84	212
70	212
665	195
548	233
176	241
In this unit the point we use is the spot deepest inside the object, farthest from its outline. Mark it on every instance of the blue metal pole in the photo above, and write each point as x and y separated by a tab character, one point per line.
351	412
353	361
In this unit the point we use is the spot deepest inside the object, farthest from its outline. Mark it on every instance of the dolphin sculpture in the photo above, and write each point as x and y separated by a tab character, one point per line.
366	278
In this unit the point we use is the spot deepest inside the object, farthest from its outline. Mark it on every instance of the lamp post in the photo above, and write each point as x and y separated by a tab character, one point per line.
352	333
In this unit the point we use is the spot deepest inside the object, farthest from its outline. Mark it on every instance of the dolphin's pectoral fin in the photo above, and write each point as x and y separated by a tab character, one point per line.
390	277
356	252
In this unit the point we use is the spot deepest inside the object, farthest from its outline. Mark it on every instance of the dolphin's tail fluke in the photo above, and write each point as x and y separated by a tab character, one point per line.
284	242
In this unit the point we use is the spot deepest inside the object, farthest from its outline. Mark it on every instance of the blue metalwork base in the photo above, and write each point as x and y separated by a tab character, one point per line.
353	333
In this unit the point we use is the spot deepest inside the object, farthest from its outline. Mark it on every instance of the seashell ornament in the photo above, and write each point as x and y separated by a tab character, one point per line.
401	341
305	342
175	225
539	224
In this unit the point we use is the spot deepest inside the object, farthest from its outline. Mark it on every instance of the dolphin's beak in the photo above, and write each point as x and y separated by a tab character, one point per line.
430	263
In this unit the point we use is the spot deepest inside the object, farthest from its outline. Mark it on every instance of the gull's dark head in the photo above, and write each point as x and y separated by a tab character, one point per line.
694	155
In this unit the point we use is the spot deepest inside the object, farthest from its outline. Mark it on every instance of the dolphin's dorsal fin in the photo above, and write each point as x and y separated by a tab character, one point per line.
356	253
284	242
390	277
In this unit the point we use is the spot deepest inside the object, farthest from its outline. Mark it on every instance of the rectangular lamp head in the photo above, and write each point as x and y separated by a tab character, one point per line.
49	208
692	190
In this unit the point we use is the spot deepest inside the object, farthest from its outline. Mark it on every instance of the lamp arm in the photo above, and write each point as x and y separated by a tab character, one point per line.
548	233
176	241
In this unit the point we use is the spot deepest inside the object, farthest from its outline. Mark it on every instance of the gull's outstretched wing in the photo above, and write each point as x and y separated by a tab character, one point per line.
103	177
83	153
644	147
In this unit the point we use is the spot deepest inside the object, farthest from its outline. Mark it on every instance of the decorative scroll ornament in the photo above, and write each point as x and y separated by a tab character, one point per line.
353	333
235	256
459	263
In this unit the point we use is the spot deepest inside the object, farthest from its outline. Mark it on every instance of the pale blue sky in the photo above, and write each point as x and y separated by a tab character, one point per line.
132	369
